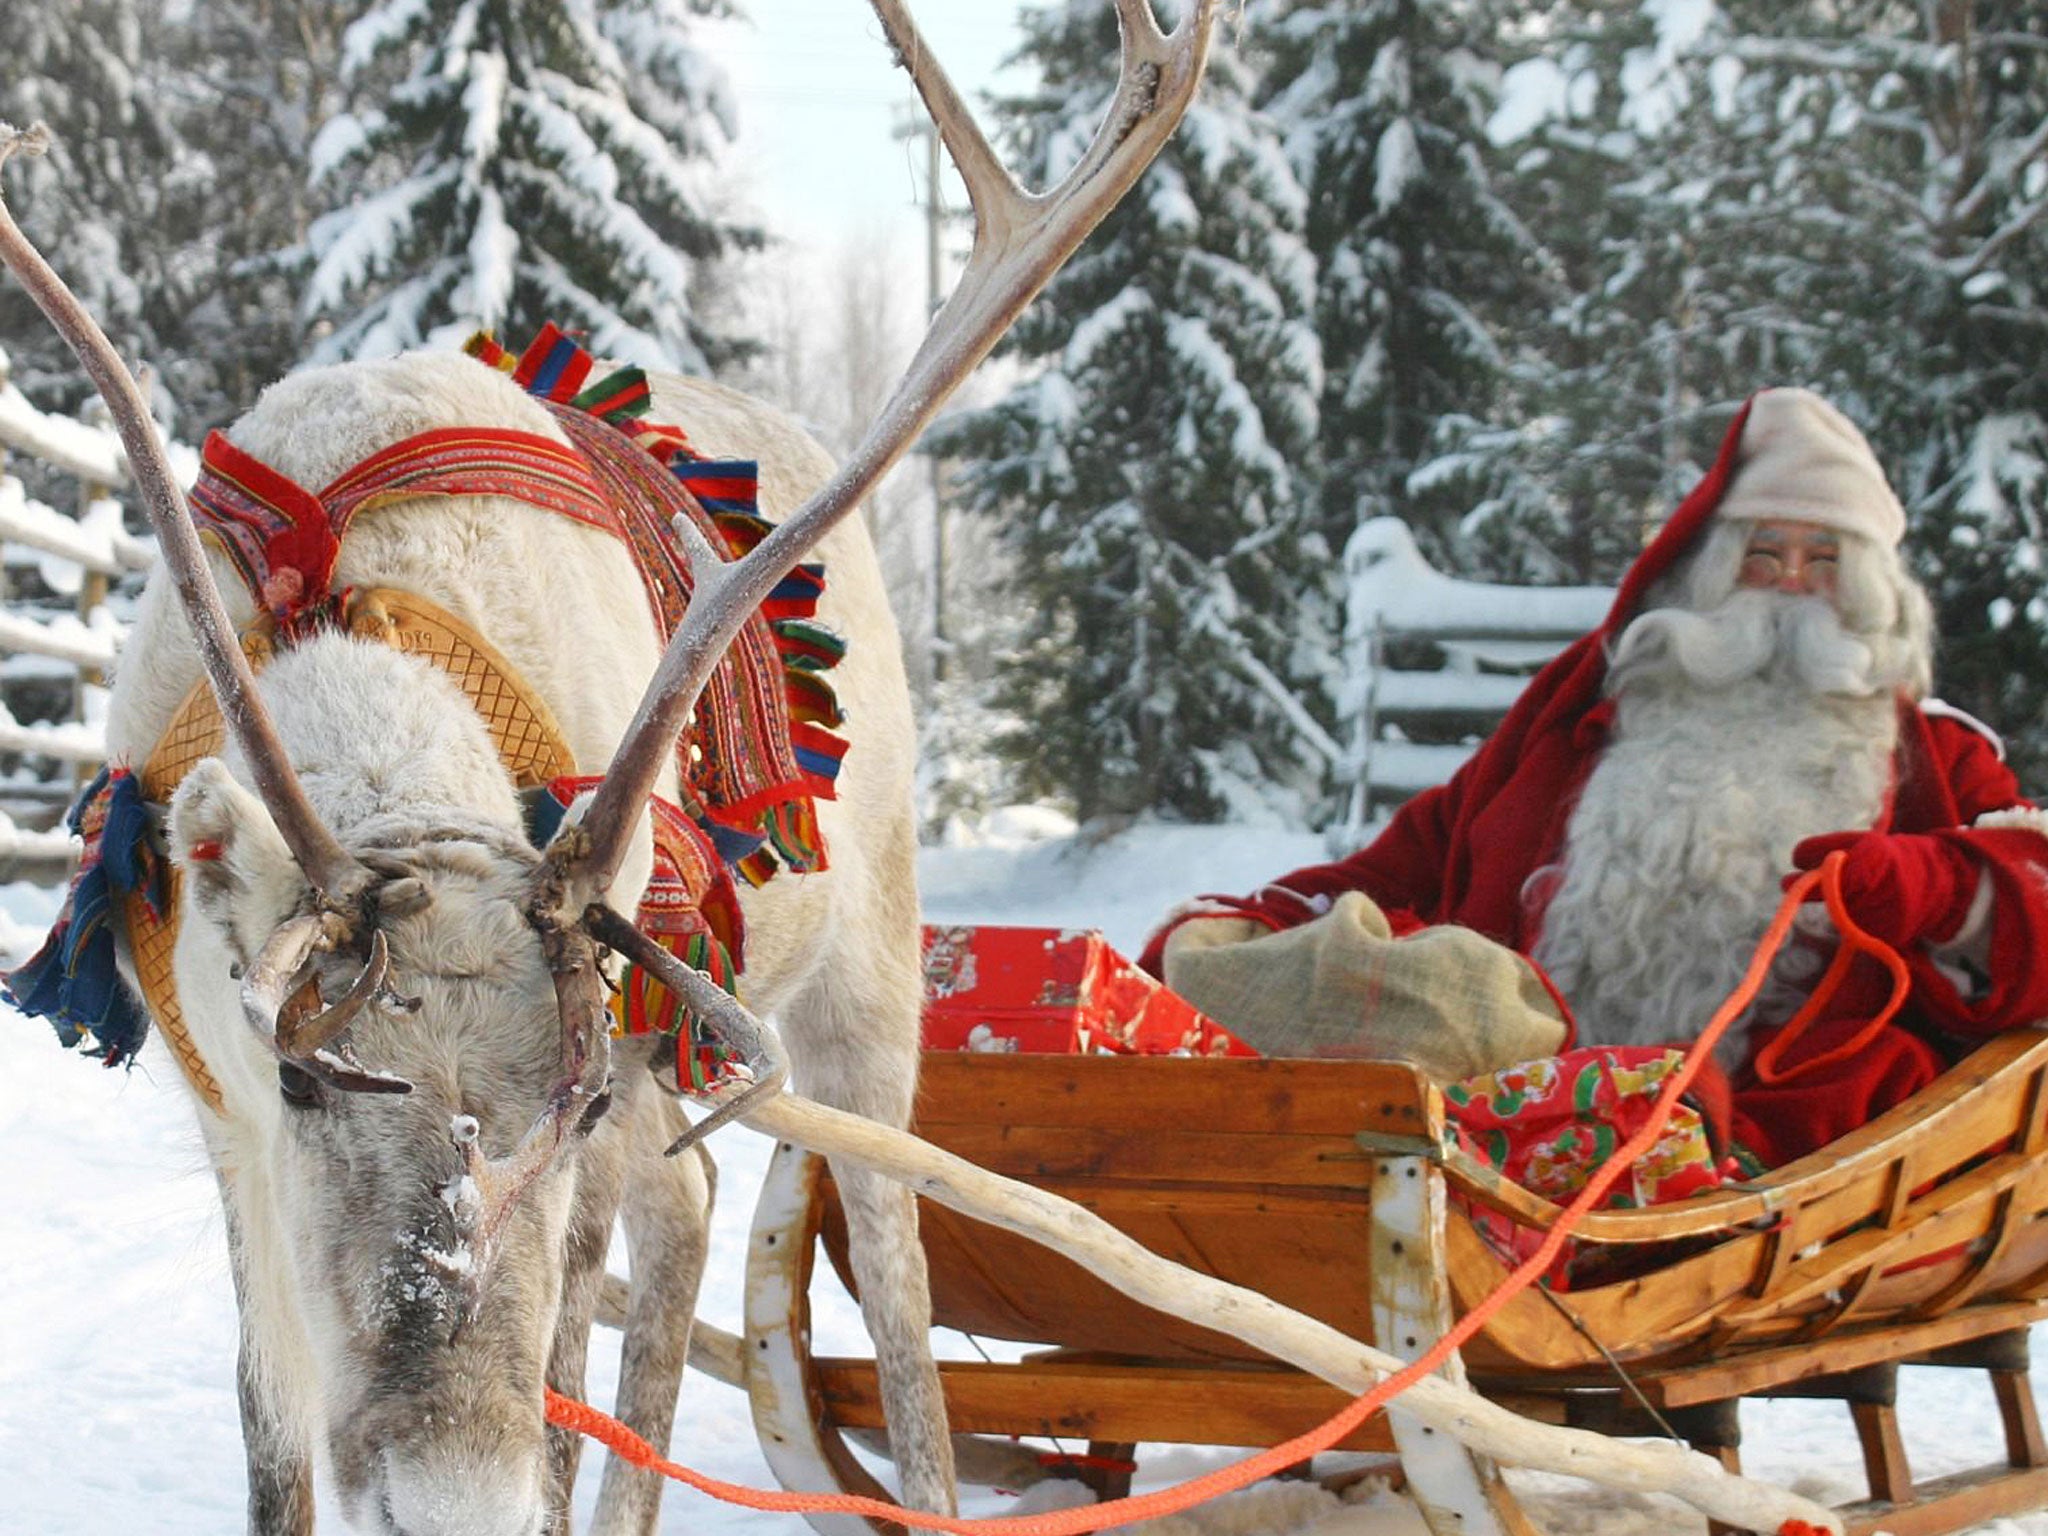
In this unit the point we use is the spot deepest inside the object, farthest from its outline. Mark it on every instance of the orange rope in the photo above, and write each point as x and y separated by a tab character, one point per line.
1855	941
621	1441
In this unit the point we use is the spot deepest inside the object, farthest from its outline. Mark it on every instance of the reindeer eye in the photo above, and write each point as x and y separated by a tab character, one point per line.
297	1086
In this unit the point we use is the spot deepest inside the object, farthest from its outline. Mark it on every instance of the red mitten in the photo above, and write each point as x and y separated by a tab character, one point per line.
1903	887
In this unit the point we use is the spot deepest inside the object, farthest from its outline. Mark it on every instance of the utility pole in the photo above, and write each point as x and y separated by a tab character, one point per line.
915	124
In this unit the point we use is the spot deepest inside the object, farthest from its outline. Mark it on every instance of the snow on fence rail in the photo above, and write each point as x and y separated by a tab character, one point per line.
63	577
1491	637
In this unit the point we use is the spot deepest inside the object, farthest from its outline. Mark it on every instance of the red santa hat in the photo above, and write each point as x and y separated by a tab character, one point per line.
1802	460
1787	453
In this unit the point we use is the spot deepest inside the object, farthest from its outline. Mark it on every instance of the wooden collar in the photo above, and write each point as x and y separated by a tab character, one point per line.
529	742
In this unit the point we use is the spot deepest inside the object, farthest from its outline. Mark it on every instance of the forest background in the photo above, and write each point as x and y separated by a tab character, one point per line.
1498	271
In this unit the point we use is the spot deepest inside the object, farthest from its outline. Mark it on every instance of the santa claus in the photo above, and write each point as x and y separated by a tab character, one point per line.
1756	699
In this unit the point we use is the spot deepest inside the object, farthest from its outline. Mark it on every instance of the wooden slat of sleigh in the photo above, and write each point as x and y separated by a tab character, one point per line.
1304	1252
1083	1398
1076	1154
1960	1502
1760	1370
1974	1106
1961	1211
1305	1247
1689	1308
2015	1242
1239	1097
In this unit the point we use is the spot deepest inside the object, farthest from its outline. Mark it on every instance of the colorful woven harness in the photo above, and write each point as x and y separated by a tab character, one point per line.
759	750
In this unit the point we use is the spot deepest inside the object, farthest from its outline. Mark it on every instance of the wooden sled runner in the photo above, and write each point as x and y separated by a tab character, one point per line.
1333	1188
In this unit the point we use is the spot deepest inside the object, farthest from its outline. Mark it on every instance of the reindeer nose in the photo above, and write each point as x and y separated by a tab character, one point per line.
451	1491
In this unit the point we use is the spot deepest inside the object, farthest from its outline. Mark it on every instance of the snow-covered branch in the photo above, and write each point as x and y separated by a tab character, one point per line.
1999	42
1305	724
1888	191
1205	618
2004	235
1999	174
1868	55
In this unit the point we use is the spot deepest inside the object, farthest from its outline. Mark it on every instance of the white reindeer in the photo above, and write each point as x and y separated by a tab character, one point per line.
419	1200
335	1199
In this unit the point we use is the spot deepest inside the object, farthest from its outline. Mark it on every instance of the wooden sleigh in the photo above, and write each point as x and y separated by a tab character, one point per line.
1333	1188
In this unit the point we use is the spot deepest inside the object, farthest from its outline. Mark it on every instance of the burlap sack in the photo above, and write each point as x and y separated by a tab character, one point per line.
1447	999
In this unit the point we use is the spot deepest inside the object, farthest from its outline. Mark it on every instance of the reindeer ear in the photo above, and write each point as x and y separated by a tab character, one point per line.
236	866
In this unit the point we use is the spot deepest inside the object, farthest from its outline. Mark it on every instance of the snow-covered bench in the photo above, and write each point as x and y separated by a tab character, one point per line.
1432	663
59	632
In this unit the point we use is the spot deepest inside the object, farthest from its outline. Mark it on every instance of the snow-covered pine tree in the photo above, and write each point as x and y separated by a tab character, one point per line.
1144	474
506	162
254	79
113	204
181	137
1421	263
1607	402
1877	196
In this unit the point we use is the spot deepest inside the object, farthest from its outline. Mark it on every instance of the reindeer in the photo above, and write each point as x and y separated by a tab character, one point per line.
427	1134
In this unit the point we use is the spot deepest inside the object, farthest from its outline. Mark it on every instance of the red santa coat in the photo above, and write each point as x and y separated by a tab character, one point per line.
1464	852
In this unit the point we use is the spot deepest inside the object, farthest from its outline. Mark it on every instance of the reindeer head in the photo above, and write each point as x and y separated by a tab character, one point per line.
424	1228
358	966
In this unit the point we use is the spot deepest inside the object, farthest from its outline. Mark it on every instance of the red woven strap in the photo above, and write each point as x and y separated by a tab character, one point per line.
474	461
284	539
274	530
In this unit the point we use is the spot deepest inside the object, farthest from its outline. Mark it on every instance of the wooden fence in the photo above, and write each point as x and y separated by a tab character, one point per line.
1432	663
69	573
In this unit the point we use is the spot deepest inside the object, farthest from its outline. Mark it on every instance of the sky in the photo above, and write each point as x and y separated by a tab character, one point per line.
819	100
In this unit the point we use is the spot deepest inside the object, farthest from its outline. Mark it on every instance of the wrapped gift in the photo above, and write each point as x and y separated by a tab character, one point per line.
1057	990
1550	1124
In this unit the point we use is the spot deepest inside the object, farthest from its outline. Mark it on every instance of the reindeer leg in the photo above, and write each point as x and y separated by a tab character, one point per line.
895	1296
280	1462
854	1040
667	1215
599	1178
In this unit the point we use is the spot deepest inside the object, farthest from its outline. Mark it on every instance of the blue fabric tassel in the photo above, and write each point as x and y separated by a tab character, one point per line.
73	980
545	809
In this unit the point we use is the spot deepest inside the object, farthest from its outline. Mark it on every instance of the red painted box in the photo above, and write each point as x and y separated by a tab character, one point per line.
1057	990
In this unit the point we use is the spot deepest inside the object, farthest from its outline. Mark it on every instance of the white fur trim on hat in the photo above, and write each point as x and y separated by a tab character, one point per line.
1803	460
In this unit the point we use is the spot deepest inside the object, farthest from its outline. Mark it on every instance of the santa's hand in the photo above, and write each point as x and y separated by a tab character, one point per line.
1901	887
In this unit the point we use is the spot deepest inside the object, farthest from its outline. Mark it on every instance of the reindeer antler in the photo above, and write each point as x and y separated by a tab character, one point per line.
281	1001
1021	238
764	1064
334	873
481	1199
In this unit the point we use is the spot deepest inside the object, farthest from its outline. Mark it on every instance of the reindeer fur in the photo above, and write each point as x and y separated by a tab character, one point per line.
331	1210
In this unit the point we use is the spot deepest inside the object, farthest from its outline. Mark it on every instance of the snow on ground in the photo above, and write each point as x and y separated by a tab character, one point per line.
117	1335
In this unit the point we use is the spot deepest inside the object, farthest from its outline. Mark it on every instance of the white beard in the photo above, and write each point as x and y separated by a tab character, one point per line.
1674	855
